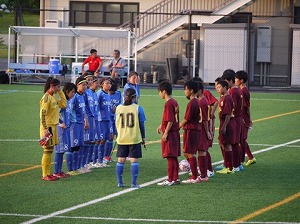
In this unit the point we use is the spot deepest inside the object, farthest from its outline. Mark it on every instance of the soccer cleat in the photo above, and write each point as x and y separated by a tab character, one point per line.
225	171
74	173
210	173
59	175
191	181
83	170
104	165
50	178
65	174
166	183
250	162
176	182
220	167
121	185
203	179
97	165
135	186
239	168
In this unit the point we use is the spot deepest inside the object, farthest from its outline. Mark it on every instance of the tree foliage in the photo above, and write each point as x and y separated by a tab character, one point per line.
11	4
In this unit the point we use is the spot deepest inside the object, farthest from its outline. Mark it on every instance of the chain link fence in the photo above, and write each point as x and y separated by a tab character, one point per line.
267	47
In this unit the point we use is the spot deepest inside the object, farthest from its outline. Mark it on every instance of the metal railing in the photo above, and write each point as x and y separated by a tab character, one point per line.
166	11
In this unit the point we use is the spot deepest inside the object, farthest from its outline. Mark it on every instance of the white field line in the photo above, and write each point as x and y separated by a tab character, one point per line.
141	220
63	211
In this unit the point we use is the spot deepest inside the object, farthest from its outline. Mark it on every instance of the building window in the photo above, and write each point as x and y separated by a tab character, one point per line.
297	15
109	14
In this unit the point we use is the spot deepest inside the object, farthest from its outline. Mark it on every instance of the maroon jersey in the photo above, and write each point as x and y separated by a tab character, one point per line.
246	105
236	95
171	114
192	115
226	107
211	101
204	141
93	62
171	148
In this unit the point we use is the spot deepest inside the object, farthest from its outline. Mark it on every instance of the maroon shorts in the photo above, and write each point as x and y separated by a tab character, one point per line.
228	138
204	141
191	141
171	148
238	122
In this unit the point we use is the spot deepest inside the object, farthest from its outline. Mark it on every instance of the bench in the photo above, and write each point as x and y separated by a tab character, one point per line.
18	72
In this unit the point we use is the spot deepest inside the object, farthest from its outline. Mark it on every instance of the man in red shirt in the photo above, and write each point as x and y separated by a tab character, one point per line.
192	127
94	61
170	141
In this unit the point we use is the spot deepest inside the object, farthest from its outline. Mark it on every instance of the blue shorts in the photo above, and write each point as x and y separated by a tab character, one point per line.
106	130
89	134
64	144
77	134
97	130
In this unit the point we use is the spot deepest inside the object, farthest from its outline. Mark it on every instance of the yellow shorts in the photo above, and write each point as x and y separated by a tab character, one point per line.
52	141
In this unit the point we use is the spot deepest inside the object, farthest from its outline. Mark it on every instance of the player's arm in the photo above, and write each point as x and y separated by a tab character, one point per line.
206	129
43	114
183	123
227	119
165	135
214	108
62	101
142	119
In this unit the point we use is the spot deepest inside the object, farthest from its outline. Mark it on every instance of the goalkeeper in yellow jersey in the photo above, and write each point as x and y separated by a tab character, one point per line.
50	105
130	120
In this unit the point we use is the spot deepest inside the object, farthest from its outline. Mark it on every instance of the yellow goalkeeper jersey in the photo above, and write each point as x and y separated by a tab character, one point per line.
49	108
127	125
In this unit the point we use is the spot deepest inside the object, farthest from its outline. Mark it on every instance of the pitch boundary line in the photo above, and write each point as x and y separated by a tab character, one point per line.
140	220
66	210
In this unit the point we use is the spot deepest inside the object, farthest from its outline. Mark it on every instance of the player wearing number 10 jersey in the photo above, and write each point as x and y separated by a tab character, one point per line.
130	120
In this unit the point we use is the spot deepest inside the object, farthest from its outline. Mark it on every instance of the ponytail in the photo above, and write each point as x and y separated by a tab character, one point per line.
50	81
129	96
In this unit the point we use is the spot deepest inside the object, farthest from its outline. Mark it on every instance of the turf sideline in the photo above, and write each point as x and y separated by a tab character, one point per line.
63	211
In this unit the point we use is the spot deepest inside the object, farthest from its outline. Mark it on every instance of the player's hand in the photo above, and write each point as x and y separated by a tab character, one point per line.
209	136
158	130
63	126
143	141
86	124
165	137
46	132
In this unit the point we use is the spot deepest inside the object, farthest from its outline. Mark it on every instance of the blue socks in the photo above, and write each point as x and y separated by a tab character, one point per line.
134	172
108	148
58	161
90	154
119	172
69	160
75	160
95	153
101	153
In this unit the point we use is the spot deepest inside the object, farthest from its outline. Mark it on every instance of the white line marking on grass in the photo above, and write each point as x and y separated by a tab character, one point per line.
140	220
63	211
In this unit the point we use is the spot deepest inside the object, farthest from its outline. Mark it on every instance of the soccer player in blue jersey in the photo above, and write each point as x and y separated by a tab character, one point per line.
130	120
116	100
105	111
78	122
63	130
89	134
133	82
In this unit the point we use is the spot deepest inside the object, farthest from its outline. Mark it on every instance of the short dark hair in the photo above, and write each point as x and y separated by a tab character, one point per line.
117	51
228	75
197	79
93	51
68	87
223	83
192	85
242	75
167	86
218	79
114	85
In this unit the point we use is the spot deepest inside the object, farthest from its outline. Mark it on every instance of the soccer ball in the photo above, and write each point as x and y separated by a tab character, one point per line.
184	166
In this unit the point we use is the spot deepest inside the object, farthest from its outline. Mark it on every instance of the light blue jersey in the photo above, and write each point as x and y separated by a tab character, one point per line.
104	105
136	87
89	102
116	99
77	109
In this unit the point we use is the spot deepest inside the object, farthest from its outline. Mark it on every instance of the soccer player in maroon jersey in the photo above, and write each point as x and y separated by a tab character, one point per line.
205	136
212	107
192	127
170	140
95	63
241	78
226	137
236	94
